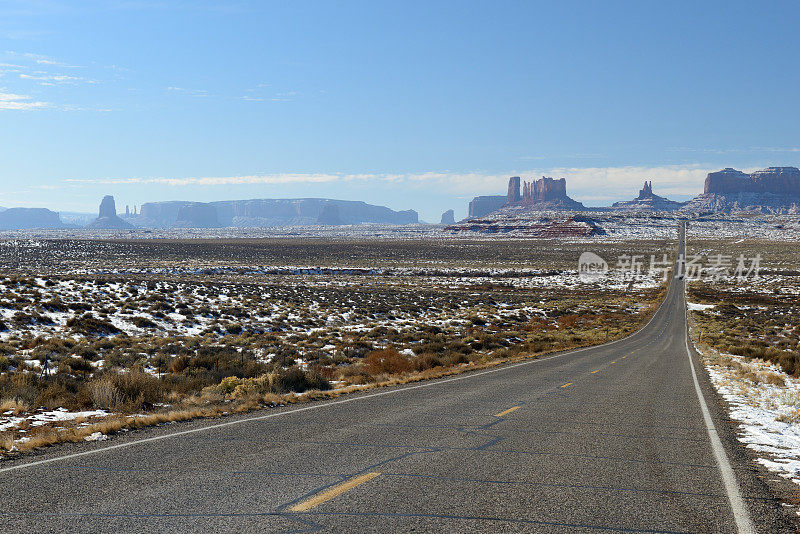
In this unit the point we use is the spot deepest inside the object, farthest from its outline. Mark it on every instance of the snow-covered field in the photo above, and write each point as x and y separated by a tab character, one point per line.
41	417
749	333
133	326
766	403
616	225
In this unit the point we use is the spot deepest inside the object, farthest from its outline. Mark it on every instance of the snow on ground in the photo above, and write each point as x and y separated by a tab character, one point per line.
8	421
767	411
617	225
699	307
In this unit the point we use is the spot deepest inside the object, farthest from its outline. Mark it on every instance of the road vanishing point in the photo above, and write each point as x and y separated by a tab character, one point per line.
623	437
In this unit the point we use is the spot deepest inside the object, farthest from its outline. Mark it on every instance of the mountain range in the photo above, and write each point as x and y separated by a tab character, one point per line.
771	190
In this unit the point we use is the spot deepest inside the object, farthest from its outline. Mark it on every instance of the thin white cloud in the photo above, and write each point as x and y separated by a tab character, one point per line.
45	60
189	92
744	150
774	149
54	79
601	183
590	184
12	101
210	181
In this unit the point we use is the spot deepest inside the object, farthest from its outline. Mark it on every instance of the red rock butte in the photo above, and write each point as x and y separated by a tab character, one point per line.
776	180
544	189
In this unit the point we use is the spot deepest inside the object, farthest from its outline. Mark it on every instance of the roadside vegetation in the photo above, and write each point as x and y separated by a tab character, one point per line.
83	356
758	319
748	335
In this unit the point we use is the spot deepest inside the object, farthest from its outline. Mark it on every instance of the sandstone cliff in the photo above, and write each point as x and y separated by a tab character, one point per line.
480	206
448	217
272	212
29	218
772	190
196	215
107	219
544	194
330	215
648	201
513	190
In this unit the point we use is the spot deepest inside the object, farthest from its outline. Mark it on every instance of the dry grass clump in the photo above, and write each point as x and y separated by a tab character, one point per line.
14	406
756	375
387	361
126	392
279	381
792	417
89	325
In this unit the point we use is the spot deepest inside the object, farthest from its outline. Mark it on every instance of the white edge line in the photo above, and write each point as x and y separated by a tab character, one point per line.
321	405
740	514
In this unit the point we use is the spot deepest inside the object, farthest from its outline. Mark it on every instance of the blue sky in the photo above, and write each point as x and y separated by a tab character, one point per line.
417	105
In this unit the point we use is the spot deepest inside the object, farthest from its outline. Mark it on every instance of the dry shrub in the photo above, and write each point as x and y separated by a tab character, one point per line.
354	374
793	417
427	361
295	379
6	441
57	394
179	364
89	325
568	321
127	391
14	406
387	361
455	358
104	394
772	378
289	380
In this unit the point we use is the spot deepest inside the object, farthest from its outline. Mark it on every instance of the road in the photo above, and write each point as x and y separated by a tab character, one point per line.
612	438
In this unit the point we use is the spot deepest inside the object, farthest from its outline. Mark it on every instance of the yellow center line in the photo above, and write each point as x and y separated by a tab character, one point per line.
614	362
506	412
593	372
567	384
335	491
624	356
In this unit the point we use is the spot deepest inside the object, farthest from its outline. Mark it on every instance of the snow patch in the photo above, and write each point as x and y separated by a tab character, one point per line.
768	413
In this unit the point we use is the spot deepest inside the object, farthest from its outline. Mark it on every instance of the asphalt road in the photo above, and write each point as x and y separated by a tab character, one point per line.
612	438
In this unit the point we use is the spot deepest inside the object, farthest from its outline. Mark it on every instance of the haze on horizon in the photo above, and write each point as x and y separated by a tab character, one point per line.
413	105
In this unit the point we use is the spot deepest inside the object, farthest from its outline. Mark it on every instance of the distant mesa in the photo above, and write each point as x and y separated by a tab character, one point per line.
448	217
108	219
29	218
772	190
484	205
196	215
648	201
267	212
329	215
544	194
